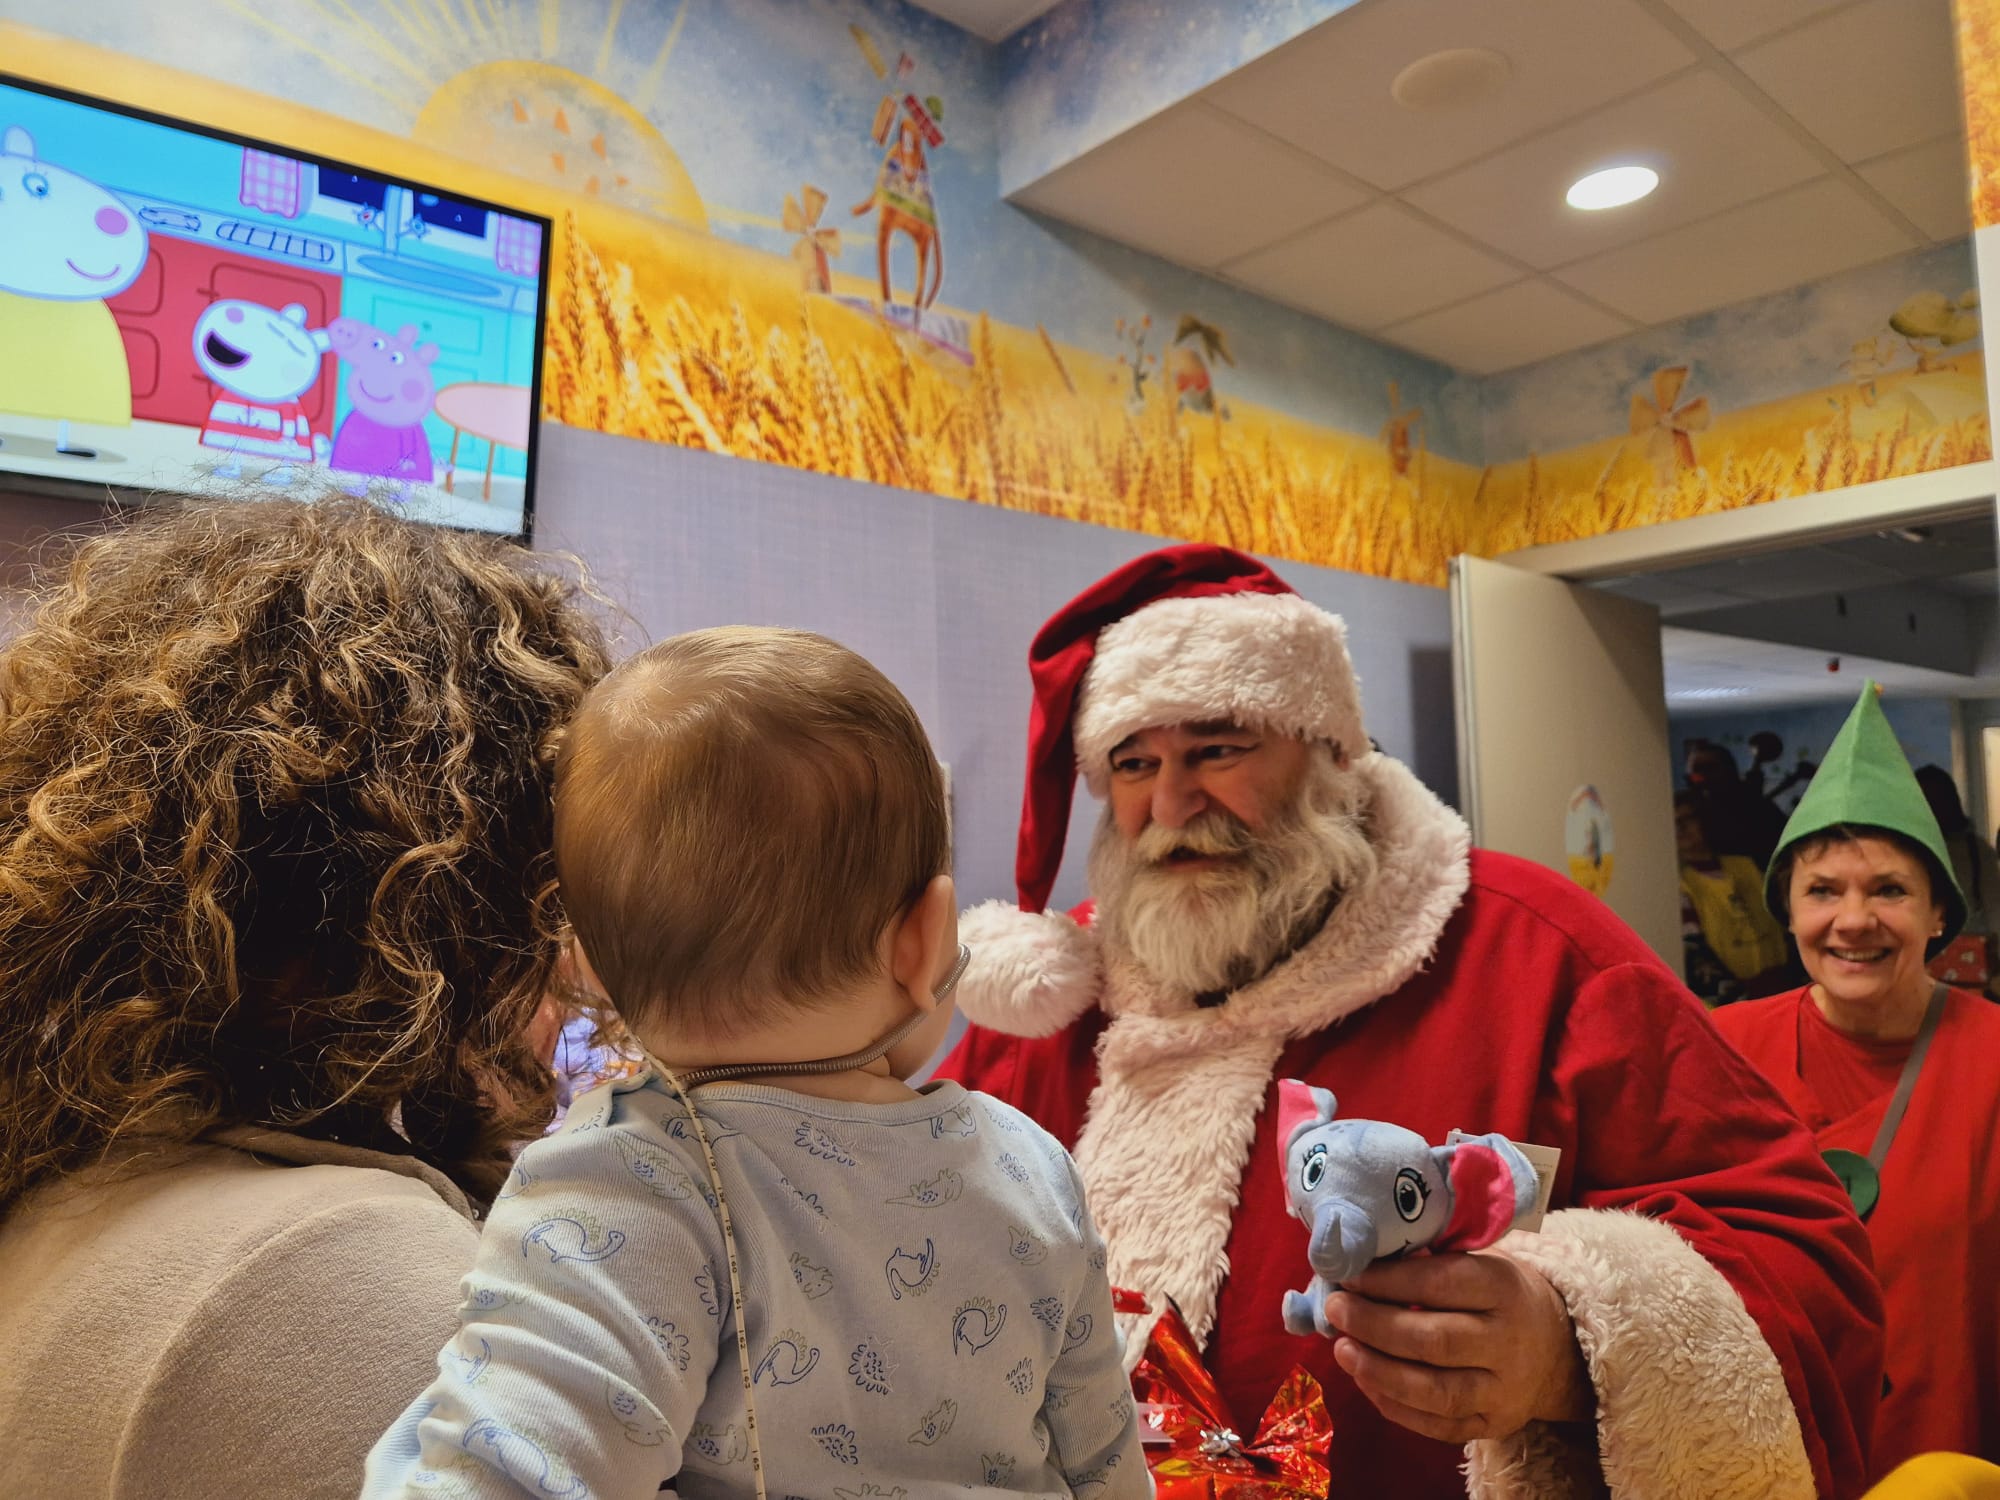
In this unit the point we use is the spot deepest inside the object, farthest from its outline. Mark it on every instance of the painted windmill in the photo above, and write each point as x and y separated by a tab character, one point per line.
1396	431
1194	384
1669	428
815	246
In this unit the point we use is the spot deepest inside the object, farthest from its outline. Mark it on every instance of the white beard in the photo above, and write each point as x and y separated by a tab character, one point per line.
1219	929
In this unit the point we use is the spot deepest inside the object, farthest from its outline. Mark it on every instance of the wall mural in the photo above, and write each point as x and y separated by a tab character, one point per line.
1979	76
779	236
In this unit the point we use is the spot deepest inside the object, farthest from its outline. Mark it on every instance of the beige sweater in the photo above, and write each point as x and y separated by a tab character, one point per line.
215	1323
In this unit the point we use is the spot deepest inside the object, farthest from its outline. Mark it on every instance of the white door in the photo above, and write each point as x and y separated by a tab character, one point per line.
1562	737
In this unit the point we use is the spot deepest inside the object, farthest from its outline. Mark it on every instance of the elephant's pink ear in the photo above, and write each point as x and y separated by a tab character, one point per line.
1482	1198
1299	1106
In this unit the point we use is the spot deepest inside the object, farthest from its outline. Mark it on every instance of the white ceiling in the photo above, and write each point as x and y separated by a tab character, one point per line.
1795	139
1723	674
994	20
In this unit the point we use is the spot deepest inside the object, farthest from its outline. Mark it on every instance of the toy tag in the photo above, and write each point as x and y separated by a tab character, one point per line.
1545	1160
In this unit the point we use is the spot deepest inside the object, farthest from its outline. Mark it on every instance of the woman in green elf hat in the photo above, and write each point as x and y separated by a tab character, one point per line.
1898	1077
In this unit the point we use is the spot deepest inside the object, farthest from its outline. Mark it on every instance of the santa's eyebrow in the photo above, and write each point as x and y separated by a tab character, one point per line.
1220	726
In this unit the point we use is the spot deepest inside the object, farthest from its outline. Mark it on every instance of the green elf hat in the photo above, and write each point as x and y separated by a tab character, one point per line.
1865	782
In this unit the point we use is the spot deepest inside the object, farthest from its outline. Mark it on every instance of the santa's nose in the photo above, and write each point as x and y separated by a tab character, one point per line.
112	221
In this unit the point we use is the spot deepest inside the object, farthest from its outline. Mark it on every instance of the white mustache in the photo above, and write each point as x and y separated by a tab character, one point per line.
1213	833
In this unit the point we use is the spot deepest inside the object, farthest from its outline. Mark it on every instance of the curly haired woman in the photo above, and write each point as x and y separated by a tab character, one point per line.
276	914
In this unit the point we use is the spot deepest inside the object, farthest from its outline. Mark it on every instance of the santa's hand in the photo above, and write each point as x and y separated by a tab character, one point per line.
1460	1347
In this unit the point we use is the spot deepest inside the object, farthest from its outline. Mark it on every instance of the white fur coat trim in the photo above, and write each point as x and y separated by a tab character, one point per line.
1268	660
1169	1127
1691	1402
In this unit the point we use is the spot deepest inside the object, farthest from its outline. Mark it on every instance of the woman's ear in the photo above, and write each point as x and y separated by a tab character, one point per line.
924	944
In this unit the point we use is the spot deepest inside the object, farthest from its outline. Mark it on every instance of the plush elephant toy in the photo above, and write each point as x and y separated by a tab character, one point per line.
1366	1189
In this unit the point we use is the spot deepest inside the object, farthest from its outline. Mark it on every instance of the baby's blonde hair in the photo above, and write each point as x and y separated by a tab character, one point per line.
740	814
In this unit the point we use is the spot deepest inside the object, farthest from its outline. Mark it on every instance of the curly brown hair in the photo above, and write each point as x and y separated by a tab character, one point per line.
275	836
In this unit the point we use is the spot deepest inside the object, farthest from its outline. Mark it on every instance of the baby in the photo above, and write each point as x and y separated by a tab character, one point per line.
766	1263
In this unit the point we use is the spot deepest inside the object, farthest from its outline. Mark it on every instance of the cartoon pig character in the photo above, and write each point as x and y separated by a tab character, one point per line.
264	359
66	244
1367	1189
390	388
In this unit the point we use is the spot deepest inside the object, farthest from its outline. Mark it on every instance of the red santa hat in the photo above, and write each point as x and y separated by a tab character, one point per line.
1178	636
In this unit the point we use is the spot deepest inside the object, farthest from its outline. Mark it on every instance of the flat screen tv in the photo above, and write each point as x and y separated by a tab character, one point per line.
183	310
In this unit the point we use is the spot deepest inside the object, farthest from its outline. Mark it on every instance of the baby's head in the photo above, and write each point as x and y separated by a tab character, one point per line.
751	827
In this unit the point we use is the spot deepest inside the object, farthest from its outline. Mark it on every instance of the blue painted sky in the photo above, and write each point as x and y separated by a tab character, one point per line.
1091	69
1756	351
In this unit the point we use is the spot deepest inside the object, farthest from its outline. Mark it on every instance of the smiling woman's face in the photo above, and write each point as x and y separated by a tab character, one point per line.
1862	911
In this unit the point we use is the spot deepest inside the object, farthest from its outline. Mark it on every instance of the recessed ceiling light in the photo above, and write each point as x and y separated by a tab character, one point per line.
1612	188
1447	80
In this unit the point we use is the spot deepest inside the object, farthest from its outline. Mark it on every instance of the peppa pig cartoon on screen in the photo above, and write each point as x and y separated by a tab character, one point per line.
263	359
391	391
66	245
183	312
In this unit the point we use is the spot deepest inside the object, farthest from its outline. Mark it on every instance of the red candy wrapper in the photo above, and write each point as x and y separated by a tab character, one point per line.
1208	1458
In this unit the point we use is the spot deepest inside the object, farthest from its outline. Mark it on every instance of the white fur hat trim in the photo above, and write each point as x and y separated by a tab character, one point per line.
1272	661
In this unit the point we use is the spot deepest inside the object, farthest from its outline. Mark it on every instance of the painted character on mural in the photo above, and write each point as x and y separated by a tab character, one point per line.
391	390
264	359
66	245
902	202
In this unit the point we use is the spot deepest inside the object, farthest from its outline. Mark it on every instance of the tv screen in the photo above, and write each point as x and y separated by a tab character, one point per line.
182	310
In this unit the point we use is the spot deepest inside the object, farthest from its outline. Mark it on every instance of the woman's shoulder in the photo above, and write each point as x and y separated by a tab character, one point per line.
1752	1020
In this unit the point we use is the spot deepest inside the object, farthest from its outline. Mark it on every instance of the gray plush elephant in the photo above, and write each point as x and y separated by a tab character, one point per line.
1366	1189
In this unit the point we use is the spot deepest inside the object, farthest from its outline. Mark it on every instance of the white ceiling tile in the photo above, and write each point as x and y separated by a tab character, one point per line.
1798	236
1194	186
1328	90
1728	24
1867	80
1372	267
1712	148
1932	183
1516	325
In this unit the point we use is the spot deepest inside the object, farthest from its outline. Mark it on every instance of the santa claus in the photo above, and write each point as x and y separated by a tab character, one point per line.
1274	899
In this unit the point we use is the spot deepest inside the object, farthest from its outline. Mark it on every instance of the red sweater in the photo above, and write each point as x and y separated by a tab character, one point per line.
1541	1016
1936	1230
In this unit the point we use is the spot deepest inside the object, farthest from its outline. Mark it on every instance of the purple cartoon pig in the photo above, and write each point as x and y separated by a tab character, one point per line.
390	388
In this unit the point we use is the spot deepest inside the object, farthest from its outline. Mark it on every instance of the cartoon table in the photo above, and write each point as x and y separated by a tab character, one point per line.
497	413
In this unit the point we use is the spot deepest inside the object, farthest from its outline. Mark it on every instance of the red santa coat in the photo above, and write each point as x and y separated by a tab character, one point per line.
1936	1230
1729	1314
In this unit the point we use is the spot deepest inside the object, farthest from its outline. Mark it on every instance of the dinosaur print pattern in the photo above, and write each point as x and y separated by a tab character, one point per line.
814	1281
839	1441
719	1445
933	1192
937	1422
956	1121
976	1325
816	1140
521	1459
572	1237
673	1343
1077	1332
639	1422
788	1361
603	1292
1026	1248
911	1275
870	1366
1021	1378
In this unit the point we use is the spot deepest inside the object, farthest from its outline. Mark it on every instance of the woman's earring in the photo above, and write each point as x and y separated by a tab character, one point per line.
943	991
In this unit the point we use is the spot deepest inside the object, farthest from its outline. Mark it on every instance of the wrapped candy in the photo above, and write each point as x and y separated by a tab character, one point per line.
1204	1456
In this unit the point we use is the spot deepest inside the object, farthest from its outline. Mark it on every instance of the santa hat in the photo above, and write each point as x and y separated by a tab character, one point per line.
1178	636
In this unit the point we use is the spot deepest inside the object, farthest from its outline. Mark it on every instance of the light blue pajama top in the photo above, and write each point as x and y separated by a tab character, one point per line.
928	1312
